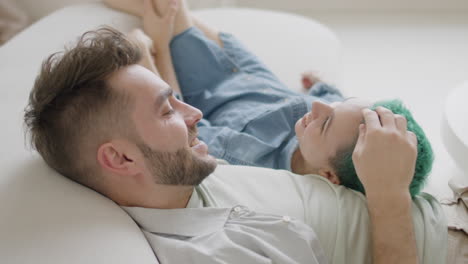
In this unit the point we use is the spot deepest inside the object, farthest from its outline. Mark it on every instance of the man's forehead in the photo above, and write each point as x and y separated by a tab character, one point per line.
137	79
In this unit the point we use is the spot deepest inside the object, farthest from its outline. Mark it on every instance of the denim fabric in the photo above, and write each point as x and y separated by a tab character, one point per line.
249	115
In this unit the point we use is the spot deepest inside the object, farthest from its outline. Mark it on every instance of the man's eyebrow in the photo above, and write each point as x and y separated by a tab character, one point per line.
162	97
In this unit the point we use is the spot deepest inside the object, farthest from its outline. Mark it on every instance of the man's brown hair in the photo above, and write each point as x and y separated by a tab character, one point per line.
72	109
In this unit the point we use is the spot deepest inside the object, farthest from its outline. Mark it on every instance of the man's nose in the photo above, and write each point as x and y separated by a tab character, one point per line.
192	115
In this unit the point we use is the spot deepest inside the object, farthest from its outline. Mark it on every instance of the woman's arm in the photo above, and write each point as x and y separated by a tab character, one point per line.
159	28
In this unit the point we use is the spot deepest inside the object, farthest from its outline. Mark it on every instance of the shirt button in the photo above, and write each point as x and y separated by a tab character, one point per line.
286	219
237	209
234	69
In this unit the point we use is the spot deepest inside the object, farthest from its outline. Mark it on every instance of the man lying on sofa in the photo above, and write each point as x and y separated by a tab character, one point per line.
101	119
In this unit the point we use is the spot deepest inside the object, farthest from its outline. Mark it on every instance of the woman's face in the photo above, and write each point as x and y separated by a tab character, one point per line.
327	129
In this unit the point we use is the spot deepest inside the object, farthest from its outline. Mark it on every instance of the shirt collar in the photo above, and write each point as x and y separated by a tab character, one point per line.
191	221
195	200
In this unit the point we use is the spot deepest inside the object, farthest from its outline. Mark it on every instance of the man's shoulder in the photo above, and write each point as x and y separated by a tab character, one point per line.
267	190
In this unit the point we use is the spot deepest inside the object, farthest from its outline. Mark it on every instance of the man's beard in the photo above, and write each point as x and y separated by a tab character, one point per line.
177	168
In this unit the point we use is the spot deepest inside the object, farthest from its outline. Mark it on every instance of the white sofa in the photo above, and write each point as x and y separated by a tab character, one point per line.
46	218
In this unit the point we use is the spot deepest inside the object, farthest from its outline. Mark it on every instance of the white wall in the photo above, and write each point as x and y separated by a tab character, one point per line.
39	8
303	6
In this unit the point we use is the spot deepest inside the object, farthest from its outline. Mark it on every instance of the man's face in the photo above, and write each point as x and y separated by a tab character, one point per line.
166	129
327	129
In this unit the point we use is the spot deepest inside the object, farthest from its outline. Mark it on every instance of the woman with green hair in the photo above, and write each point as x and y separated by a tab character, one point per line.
337	124
344	165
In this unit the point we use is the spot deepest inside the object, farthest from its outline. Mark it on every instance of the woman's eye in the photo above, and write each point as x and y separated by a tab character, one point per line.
324	123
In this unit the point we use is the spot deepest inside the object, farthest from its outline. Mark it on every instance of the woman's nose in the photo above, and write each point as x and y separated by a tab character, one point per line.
320	109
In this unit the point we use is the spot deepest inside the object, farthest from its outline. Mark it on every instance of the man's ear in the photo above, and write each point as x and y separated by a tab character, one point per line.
118	158
330	175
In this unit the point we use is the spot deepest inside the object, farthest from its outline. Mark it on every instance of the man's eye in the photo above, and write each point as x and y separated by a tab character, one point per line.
170	112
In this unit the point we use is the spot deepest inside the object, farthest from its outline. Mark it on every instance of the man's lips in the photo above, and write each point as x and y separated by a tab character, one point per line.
199	146
196	144
195	141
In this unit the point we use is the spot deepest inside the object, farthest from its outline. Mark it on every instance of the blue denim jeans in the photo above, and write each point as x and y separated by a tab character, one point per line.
249	115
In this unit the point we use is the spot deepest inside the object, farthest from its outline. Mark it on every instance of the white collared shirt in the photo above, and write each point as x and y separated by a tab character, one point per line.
226	235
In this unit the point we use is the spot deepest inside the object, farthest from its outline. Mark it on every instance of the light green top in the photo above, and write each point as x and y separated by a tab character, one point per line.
338	215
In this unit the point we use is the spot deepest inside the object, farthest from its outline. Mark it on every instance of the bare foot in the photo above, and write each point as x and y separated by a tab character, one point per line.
145	44
309	79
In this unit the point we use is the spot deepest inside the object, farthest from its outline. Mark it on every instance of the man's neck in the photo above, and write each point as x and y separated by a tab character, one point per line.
172	197
161	197
299	164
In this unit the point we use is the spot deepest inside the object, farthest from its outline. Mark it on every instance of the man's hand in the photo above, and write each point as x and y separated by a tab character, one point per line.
159	24
385	153
384	158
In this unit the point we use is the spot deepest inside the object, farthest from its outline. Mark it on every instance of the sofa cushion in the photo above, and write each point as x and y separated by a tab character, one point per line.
47	218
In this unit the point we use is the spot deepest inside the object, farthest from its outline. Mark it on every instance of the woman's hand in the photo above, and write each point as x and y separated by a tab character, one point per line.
308	79
159	24
385	153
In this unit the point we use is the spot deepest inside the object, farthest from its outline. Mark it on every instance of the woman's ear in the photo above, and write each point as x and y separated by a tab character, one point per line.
330	175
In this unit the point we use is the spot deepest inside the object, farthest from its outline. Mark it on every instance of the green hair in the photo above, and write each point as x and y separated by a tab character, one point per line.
343	163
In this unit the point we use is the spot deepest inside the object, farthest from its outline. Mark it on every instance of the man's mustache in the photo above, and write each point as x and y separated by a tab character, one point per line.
193	132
